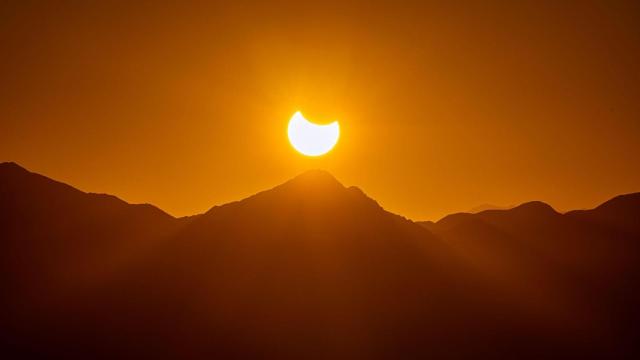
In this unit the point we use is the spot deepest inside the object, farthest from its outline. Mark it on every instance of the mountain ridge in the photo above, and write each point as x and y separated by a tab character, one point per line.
12	169
328	178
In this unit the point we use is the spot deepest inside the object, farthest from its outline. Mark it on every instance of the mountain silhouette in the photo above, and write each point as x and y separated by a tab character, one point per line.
584	262
311	269
67	234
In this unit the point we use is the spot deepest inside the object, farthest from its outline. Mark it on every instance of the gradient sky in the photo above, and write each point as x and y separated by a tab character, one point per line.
443	105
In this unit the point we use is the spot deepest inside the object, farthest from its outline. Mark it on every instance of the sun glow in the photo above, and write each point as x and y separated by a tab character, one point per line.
312	139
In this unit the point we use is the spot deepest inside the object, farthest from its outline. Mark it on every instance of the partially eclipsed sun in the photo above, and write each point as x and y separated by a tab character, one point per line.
312	139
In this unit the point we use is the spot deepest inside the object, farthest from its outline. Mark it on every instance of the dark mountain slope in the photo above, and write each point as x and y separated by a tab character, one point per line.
621	213
57	242
584	261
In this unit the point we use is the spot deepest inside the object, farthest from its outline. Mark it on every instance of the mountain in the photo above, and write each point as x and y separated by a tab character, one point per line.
310	269
72	236
584	261
58	241
621	213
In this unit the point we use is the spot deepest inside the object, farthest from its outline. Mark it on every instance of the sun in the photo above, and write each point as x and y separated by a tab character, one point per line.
312	139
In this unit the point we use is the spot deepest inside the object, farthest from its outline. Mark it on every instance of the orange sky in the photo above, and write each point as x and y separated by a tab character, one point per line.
442	106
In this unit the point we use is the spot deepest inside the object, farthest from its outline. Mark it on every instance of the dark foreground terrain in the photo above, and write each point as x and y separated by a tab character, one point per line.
311	269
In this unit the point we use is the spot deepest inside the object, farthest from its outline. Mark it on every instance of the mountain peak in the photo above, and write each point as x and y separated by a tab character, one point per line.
316	175
535	207
315	198
11	166
313	180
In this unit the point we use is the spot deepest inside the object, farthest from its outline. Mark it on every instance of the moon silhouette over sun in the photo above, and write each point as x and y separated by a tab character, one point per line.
312	139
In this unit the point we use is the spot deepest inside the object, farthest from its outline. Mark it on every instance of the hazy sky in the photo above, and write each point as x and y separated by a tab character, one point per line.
442	105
